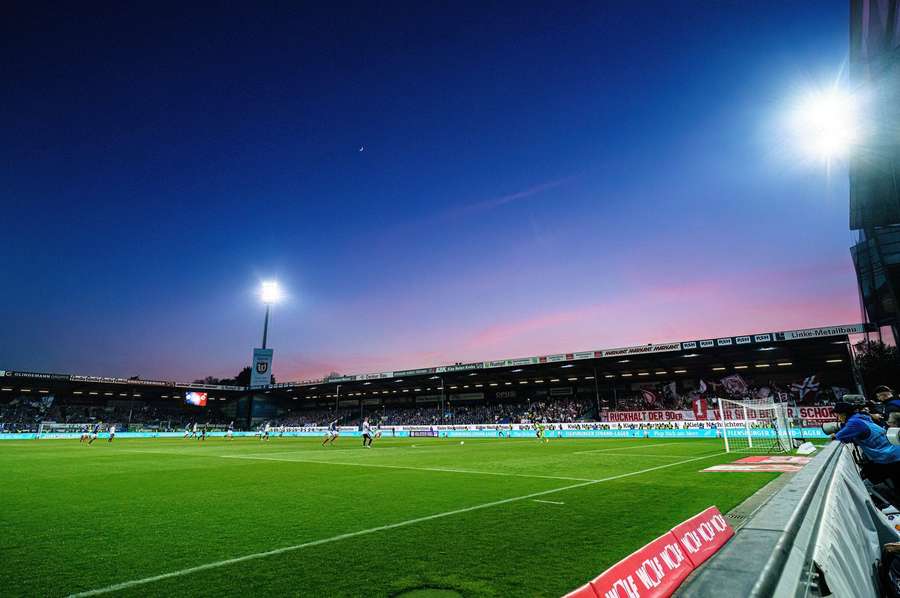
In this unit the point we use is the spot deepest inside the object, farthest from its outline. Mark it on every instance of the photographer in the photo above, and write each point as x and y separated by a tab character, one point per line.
889	404
883	458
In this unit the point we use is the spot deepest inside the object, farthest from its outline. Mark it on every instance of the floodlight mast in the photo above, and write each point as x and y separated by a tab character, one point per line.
270	293
266	327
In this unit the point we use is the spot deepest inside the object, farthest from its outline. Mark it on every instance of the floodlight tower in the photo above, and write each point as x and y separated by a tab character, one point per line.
269	293
261	370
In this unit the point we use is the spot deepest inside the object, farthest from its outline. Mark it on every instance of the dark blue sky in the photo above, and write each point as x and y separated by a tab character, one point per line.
534	179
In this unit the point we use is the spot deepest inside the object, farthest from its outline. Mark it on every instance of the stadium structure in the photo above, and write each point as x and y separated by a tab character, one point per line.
809	366
875	160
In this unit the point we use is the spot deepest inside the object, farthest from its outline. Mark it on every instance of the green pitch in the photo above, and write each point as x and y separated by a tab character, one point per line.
492	517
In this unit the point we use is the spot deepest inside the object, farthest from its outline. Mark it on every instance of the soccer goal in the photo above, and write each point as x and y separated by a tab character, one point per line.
755	426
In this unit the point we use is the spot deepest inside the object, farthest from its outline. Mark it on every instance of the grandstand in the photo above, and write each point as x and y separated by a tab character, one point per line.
805	367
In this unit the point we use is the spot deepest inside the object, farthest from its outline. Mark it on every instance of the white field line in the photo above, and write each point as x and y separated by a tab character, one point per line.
259	555
549	502
641	455
378	465
438	469
625	448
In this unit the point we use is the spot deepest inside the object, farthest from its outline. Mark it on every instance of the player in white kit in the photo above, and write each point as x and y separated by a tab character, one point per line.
367	433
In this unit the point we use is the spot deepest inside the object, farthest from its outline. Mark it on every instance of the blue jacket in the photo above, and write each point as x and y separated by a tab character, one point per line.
870	437
890	407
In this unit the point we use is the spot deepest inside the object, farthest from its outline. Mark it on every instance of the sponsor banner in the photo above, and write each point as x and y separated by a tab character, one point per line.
459	367
707	344
689	345
38	375
503	363
106	380
790	335
416	372
703	535
762	338
553	358
723	342
654	571
623	351
261	372
742	340
376	376
587	354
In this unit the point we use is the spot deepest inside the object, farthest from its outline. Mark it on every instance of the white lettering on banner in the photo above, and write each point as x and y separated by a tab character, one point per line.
554	358
690	541
707	344
723	342
672	556
628	586
690	345
650	573
583	355
762	338
742	340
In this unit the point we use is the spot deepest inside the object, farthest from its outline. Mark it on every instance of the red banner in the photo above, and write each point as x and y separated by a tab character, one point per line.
702	535
700	409
657	569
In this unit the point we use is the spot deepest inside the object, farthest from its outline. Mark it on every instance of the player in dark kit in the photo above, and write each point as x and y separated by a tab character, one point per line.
332	433
95	432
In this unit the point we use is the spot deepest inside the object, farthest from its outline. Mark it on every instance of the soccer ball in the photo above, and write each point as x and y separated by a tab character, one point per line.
462	442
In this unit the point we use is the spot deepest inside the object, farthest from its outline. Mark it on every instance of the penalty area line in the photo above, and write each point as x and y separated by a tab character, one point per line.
260	555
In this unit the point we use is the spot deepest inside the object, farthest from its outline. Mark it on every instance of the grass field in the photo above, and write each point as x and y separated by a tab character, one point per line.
492	517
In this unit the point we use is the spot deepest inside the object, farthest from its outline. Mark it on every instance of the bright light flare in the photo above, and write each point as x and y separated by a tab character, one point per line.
824	124
270	292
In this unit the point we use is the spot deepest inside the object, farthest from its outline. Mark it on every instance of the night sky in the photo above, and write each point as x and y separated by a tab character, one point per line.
531	180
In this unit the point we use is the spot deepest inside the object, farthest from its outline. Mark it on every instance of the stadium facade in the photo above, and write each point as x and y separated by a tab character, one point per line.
875	164
807	366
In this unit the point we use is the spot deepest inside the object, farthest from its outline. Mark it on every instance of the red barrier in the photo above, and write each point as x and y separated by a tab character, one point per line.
702	535
657	569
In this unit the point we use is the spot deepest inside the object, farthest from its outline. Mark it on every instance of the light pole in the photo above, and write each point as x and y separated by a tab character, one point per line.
261	368
269	293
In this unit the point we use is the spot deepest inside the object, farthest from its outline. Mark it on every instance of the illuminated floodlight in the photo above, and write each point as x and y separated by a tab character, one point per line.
824	123
270	292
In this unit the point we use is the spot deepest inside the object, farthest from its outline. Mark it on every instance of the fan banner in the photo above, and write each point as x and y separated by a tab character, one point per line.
807	414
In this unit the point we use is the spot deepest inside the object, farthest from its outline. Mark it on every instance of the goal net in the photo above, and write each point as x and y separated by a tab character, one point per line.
754	426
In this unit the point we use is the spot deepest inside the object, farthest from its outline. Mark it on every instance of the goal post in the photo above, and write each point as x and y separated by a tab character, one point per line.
759	426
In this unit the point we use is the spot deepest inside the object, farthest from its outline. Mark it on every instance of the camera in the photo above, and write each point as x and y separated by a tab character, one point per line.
893	436
831	427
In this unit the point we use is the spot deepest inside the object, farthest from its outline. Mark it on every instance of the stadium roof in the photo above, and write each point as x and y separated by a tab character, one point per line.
806	349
